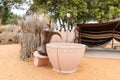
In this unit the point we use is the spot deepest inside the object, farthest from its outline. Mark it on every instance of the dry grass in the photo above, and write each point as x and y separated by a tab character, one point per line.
9	34
31	28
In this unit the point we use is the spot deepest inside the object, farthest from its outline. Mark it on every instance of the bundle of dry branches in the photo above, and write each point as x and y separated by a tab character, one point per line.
34	35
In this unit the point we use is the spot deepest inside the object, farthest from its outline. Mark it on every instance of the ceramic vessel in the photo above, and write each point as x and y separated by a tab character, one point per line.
65	57
40	60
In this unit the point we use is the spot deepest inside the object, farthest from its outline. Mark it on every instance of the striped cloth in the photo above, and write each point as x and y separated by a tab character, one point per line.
97	34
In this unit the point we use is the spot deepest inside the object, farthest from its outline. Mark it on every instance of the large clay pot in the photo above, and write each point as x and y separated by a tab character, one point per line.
65	57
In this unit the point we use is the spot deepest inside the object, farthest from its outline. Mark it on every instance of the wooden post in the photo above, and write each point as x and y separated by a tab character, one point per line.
112	46
112	43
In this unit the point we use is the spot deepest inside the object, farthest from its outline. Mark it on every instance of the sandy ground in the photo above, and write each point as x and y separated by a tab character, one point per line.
12	68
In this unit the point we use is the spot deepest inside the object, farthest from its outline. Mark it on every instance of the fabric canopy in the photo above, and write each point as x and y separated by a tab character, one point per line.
98	33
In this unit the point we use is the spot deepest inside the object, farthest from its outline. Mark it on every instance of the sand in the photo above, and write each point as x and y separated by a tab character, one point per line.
12	68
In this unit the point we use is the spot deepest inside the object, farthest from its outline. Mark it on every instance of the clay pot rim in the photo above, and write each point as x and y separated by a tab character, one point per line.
36	54
65	45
